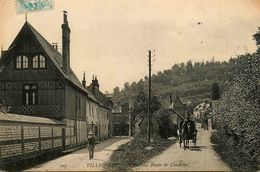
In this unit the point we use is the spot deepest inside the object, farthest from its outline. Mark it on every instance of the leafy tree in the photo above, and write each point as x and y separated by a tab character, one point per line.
139	110
215	91
116	90
176	69
126	86
256	37
182	68
189	67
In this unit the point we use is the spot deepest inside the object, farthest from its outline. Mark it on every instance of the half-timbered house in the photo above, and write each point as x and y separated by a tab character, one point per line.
37	80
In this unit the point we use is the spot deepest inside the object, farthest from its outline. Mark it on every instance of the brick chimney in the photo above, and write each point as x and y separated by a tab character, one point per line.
94	84
84	80
55	45
65	43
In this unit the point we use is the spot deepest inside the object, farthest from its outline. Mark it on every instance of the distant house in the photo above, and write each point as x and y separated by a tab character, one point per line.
202	110
179	107
37	80
103	119
177	111
120	118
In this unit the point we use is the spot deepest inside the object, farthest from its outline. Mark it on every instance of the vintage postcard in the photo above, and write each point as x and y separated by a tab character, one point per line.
129	85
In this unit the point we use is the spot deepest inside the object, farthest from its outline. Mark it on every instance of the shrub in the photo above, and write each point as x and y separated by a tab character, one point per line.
238	114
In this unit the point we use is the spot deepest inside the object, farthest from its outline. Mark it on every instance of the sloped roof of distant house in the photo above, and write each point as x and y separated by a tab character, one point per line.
116	108
99	95
54	56
202	106
178	100
110	95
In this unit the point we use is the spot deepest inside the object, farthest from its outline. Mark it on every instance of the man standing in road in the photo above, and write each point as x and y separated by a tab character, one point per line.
91	144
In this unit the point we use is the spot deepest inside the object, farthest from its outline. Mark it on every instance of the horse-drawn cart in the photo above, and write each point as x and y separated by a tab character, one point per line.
186	132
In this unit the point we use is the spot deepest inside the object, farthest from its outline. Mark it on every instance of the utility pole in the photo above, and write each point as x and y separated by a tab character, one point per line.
149	98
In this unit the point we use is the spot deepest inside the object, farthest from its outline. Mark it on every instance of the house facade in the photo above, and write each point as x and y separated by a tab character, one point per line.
36	80
120	118
202	110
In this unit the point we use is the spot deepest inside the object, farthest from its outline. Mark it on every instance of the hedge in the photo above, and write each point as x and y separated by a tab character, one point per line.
237	118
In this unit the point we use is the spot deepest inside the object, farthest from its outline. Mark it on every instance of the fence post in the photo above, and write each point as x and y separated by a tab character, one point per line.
52	137
22	139
63	135
39	130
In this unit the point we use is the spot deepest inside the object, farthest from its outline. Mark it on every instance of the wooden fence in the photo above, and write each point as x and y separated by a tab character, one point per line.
26	136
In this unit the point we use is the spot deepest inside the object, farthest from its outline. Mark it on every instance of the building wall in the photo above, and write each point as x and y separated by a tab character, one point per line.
92	115
75	103
120	124
100	118
103	117
76	132
120	118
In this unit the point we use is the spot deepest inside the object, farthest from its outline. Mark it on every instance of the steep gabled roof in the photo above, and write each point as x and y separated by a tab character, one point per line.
178	101
54	56
202	106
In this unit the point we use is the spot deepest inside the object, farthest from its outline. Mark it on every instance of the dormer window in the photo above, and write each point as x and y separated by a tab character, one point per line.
21	62
39	62
35	62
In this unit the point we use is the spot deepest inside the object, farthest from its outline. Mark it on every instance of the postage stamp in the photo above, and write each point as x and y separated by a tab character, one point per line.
24	6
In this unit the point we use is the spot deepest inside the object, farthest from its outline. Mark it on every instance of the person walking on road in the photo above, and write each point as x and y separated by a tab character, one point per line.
91	144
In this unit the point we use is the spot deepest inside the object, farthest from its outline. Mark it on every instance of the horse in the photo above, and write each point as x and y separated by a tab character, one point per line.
188	132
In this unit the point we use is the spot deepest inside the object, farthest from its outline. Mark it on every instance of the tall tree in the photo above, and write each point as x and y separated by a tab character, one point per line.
126	86
189	67
140	109
215	92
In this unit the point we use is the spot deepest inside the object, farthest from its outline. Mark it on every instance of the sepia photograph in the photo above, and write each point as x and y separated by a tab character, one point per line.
130	85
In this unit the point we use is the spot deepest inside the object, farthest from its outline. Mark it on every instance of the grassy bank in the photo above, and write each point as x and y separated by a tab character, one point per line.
136	153
232	156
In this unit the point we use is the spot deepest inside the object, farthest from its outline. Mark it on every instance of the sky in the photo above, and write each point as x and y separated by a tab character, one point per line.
111	39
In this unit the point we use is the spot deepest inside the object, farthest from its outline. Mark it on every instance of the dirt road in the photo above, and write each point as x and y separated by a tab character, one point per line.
79	160
200	158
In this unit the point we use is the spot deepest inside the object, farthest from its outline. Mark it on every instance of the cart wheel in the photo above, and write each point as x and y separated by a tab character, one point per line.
184	144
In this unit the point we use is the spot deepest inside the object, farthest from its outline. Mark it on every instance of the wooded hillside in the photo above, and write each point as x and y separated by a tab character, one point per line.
190	81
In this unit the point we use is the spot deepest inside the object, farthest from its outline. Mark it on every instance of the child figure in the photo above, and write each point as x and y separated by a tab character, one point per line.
91	144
